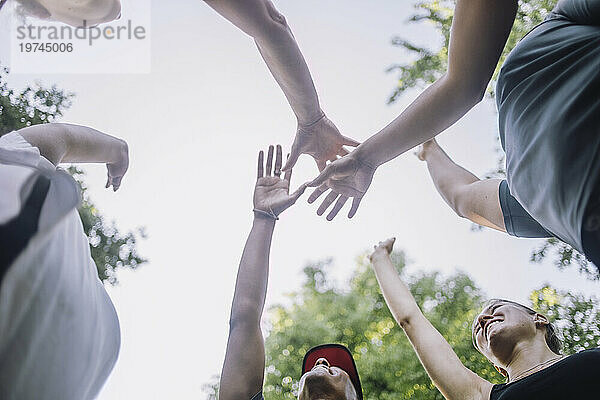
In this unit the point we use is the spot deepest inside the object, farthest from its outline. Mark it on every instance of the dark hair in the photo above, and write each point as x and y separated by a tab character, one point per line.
552	340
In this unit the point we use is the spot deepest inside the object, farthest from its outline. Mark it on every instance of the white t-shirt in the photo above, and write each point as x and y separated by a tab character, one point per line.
59	331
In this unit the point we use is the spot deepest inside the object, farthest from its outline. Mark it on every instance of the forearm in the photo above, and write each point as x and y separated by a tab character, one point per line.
285	61
252	278
448	99
397	295
74	143
278	47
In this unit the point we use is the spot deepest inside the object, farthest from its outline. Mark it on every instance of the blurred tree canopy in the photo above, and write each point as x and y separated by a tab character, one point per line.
426	65
356	315
110	248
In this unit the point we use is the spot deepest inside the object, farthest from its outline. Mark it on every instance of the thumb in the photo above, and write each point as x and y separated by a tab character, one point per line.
323	176
291	161
299	192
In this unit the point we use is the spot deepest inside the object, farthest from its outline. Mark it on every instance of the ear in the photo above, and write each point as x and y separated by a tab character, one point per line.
540	320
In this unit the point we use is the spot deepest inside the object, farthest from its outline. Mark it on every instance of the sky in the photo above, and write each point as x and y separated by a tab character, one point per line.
194	123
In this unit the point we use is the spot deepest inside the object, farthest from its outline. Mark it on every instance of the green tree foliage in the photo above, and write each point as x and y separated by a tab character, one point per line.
356	315
359	318
34	105
426	65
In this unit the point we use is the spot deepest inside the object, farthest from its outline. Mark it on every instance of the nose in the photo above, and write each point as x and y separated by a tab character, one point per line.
482	318
322	361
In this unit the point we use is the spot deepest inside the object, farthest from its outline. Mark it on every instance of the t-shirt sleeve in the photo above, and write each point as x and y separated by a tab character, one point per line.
517	221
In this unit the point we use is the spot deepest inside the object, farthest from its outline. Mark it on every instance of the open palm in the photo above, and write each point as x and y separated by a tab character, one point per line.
271	194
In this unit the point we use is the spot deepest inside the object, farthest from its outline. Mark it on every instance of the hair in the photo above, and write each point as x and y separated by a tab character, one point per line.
552	339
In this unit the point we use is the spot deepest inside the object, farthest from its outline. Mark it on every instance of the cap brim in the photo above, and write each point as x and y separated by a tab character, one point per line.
337	356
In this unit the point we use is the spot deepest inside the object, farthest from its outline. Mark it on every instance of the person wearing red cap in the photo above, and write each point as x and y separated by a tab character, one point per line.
522	344
328	370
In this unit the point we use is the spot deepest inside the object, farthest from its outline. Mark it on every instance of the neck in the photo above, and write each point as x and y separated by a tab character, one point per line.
529	358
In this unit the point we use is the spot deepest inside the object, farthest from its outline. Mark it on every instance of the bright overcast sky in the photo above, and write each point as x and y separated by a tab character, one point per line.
194	126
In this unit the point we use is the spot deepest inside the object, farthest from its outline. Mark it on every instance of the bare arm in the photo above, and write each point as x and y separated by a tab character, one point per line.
79	144
316	134
469	196
480	29
479	32
449	375
243	369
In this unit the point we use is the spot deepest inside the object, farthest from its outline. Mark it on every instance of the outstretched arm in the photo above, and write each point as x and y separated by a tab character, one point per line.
316	134
69	143
480	29
449	375
469	196
243	369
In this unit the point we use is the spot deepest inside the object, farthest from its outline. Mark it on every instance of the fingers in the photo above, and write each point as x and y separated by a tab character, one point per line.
327	202
299	192
270	160
349	141
354	208
278	159
337	207
323	176
317	192
321	164
389	244
288	174
261	156
293	157
116	183
343	152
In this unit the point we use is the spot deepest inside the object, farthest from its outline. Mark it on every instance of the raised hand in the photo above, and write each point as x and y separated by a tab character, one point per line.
422	150
116	170
322	140
347	177
271	194
382	249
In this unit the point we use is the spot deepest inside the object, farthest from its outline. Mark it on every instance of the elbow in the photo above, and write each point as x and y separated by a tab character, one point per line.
244	316
272	24
469	92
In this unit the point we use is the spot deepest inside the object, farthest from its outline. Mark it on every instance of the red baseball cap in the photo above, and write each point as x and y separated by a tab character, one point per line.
338	356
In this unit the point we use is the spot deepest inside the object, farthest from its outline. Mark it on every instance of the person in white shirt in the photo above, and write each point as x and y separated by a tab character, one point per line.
59	331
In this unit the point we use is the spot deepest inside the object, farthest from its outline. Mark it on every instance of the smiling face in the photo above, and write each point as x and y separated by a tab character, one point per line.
502	325
326	382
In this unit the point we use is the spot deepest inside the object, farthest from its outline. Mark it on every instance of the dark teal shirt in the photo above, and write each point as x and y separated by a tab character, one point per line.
548	97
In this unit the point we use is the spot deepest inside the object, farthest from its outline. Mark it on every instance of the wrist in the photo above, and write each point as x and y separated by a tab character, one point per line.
119	151
264	215
362	156
309	121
